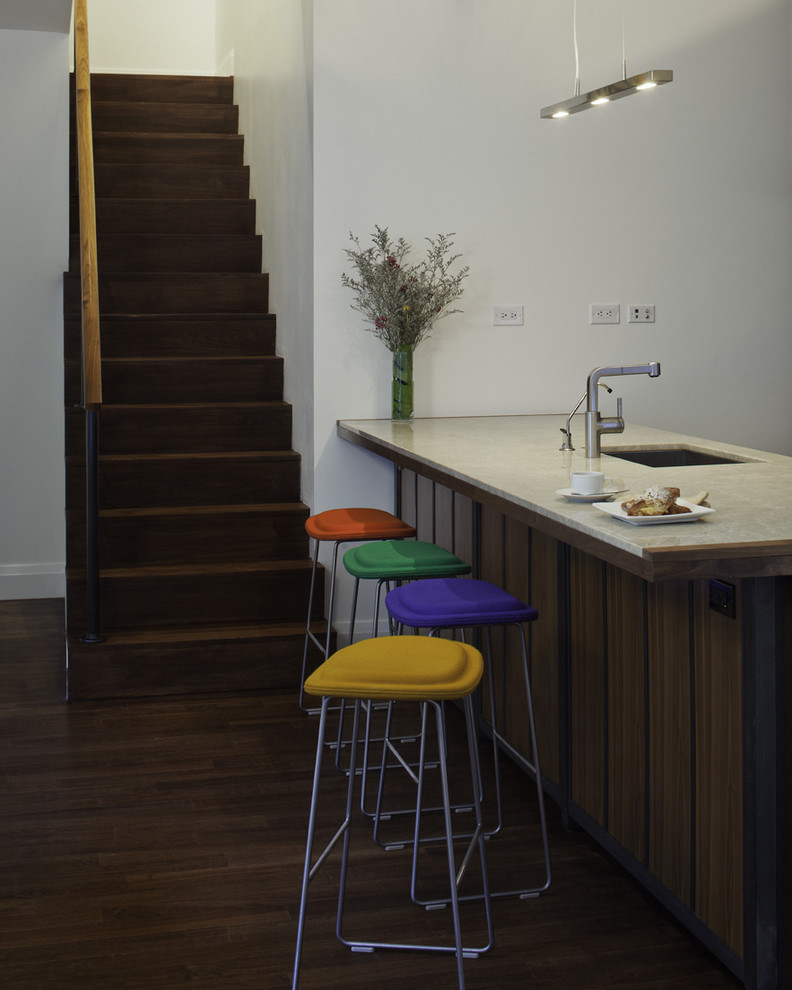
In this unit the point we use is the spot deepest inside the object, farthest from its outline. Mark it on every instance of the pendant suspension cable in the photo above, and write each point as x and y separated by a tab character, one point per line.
624	49
577	51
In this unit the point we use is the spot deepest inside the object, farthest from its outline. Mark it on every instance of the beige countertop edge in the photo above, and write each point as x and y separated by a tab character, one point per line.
515	461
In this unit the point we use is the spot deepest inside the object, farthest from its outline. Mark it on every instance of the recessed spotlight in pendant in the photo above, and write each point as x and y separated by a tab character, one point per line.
600	100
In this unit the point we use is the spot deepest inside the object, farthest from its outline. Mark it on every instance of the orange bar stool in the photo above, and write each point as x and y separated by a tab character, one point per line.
400	669
339	526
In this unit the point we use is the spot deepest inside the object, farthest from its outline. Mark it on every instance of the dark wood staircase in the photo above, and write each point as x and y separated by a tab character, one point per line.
204	567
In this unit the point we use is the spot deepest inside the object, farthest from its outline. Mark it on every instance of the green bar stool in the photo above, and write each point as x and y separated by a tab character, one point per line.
388	562
340	526
400	669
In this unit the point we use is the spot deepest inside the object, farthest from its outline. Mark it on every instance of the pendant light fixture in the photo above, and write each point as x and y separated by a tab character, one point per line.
625	86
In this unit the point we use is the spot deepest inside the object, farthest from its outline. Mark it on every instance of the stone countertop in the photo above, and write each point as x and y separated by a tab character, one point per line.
515	461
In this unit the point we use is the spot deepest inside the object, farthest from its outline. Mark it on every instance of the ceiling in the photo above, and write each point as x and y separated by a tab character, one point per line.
35	15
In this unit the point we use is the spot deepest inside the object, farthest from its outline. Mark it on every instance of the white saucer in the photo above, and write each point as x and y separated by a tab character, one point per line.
603	496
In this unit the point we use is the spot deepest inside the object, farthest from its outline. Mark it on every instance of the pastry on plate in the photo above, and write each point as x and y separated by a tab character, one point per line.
655	501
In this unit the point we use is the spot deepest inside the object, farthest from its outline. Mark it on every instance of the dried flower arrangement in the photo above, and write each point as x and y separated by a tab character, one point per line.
401	302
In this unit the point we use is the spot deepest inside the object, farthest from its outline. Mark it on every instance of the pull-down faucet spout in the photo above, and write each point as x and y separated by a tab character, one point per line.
595	424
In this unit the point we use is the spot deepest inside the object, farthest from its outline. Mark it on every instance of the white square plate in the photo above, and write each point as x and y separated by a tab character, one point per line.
696	512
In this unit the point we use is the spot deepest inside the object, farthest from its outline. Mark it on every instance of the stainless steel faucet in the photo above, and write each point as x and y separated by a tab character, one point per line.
595	424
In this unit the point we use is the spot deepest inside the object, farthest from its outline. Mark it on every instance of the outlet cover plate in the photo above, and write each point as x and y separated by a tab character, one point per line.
604	313
507	316
642	314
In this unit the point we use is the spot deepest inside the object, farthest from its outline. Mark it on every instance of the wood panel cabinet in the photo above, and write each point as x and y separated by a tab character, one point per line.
638	695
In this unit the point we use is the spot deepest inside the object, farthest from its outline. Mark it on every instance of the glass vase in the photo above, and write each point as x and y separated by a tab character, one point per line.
402	384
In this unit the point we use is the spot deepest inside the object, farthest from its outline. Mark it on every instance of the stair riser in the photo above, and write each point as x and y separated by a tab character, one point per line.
186	429
177	149
152	541
184	253
248	380
178	337
169	217
163	118
121	87
107	670
129	484
171	182
146	602
207	293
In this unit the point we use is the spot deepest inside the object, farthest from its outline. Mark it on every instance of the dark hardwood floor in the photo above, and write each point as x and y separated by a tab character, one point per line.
157	844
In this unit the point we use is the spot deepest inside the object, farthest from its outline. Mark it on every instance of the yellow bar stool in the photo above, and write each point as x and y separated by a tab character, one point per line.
340	526
407	669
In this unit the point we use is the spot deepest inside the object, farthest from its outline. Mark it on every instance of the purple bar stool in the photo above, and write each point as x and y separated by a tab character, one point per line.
440	603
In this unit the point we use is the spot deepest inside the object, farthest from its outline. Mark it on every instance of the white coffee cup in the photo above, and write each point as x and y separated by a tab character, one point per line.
589	482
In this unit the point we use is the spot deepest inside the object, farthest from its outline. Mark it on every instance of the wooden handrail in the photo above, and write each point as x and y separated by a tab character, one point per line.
91	344
89	270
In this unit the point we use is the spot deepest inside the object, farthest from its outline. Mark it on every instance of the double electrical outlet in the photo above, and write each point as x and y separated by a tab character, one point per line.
611	313
507	316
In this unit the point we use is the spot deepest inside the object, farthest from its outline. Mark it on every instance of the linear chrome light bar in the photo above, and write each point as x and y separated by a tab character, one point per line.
606	94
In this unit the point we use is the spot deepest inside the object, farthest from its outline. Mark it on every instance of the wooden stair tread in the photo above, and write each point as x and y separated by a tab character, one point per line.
178	359
265	508
200	455
178	136
167	406
210	632
149	87
196	570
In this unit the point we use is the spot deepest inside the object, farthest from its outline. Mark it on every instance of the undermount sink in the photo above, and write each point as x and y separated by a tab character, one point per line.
673	457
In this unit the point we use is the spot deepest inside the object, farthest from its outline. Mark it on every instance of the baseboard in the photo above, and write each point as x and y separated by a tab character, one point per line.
20	581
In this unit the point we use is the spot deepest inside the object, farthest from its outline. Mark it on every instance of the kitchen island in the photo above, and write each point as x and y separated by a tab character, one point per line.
658	658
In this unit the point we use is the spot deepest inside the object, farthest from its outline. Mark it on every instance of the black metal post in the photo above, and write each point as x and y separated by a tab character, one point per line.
92	634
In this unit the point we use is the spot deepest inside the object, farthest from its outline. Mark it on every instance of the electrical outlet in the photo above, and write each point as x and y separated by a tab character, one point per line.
642	314
604	313
507	316
722	598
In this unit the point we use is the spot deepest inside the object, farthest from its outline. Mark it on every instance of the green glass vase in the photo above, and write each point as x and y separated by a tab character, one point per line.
402	383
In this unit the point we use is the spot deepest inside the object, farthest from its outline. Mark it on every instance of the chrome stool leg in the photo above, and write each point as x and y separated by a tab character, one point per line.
499	742
342	834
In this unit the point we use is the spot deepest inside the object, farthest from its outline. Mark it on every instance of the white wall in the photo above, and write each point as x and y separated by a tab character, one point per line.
34	109
269	44
427	120
173	37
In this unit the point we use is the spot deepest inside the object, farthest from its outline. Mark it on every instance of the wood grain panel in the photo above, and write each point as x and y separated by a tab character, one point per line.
492	563
463	528
626	711
517	581
407	483
425	509
587	675
492	569
444	517
719	824
670	737
544	642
